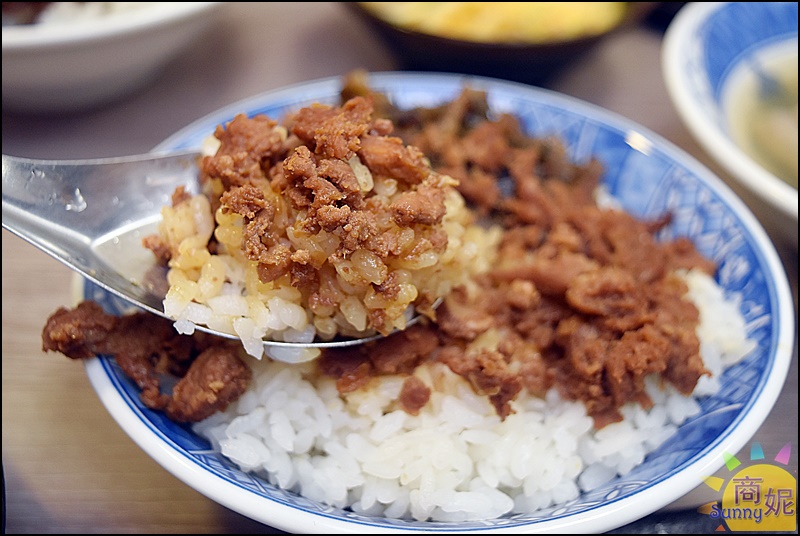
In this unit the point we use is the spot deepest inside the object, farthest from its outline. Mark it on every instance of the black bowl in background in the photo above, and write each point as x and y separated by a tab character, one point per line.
528	63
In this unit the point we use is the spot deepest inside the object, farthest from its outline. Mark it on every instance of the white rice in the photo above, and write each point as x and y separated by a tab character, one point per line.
456	460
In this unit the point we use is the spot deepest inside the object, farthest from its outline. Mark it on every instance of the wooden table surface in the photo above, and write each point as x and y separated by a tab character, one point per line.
68	467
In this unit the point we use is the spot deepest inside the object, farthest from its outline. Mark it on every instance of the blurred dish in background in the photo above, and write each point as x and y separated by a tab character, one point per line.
523	41
17	13
22	12
87	59
731	71
763	114
502	22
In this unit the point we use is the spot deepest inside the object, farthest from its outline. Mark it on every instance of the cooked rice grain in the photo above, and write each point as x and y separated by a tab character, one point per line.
456	460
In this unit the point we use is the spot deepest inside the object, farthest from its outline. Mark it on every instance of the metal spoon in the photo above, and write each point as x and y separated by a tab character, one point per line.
92	215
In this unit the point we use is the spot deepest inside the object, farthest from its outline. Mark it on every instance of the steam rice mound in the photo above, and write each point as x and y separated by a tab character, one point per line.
319	226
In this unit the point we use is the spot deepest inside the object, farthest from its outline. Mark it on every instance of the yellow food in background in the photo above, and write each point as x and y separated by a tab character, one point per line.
502	22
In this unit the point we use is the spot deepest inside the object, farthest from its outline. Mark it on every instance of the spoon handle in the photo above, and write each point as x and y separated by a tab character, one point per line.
93	197
75	210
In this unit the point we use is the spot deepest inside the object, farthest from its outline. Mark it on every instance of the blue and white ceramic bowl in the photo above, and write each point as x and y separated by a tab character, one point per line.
648	176
710	49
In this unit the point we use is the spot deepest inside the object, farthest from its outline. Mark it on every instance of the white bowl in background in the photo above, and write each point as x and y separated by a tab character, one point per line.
709	50
76	64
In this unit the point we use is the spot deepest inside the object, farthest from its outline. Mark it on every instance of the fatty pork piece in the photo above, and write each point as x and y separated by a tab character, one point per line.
146	347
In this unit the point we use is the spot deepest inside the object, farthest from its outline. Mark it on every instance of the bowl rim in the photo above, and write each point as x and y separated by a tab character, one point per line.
678	38
159	14
290	518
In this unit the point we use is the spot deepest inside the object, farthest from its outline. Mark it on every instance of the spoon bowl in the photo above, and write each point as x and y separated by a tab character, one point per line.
93	214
